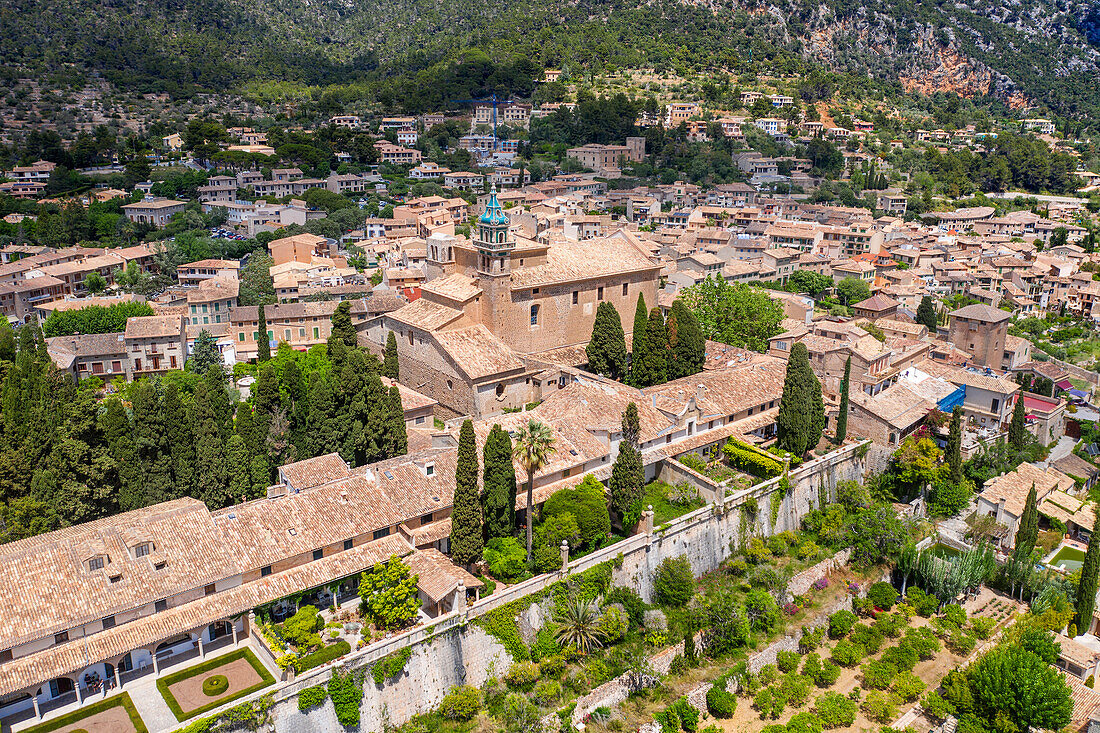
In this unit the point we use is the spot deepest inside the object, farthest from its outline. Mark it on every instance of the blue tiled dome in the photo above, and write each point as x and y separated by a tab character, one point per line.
494	213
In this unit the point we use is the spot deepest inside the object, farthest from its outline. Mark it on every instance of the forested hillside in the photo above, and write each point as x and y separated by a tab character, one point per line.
417	54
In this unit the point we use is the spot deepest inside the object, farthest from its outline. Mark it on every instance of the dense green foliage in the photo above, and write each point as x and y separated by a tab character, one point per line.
687	346
606	351
801	417
1090	577
499	485
842	417
94	319
627	473
389	593
466	519
740	315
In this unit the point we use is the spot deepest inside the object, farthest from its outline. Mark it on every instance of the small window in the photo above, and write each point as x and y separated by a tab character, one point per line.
429	470
265	571
209	589
96	563
534	315
160	565
142	550
410	338
995	406
380	533
161	605
240	335
348	544
61	638
427	518
599	293
5	656
576	296
318	554
109	622
626	289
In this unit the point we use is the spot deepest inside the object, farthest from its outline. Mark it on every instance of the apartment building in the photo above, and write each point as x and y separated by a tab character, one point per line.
152	210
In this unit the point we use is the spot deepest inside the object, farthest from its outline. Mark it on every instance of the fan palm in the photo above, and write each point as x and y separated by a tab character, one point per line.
579	626
533	447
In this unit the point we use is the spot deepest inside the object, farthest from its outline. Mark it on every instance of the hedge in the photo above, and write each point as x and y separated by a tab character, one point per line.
94	708
745	458
164	683
323	655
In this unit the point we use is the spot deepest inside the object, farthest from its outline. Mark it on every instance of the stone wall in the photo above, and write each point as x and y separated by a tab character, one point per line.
452	651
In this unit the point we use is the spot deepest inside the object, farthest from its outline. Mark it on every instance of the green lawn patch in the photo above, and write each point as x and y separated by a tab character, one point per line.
164	683
669	502
89	710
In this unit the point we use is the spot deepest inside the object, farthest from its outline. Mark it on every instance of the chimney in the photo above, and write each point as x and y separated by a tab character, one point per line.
699	390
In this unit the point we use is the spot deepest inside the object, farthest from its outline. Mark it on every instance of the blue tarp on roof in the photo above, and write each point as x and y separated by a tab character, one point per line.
953	400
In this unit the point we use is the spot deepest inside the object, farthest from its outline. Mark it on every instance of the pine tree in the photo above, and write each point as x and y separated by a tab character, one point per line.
639	351
342	326
627	473
685	338
926	314
606	350
466	528
1027	531
390	367
1086	589
1017	429
801	408
842	418
499	482
263	341
953	454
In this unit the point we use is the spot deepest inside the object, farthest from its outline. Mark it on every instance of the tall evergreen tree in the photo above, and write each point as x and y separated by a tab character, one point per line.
1027	531
1086	589
238	464
205	354
606	350
263	340
181	442
7	341
627	473
342	326
398	437
390	367
953	454
639	350
801	409
466	520
499	485
651	366
688	347
926	314
321	418
842	418
1017	429
151	445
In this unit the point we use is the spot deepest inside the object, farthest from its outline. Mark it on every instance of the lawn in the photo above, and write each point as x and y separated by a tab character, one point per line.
110	715
184	693
669	501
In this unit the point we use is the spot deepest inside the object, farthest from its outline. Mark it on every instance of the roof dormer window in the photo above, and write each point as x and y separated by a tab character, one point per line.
97	563
142	549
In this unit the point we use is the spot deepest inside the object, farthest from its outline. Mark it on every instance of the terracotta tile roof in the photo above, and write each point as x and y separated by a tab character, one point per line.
428	534
897	406
426	315
1013	487
568	260
456	287
410	398
154	327
314	471
727	391
476	351
437	576
1086	702
981	312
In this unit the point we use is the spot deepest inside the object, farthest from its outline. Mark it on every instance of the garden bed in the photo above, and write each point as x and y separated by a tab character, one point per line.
183	691
116	714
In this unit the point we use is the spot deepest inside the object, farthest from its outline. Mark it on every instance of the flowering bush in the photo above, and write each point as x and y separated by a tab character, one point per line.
821	583
853	588
790	609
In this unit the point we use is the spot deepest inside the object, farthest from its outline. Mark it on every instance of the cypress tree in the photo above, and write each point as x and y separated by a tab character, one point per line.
926	314
466	529
685	338
7	341
320	420
606	350
499	482
398	437
639	351
181	442
1017	429
842	418
342	327
1086	589
627	473
389	363
954	447
1027	531
261	475
801	408
125	465
263	341
651	367
149	440
238	464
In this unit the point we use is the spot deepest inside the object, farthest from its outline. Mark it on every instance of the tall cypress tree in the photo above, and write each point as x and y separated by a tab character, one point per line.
342	326
627	473
1017	429
466	529
1027	531
321	418
606	350
842	418
1086	589
238	464
686	341
398	437
639	351
499	482
926	314
181	442
263	341
801	408
389	363
954	447
651	367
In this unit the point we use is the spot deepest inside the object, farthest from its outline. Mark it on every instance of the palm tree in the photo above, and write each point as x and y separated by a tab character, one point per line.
533	447
579	626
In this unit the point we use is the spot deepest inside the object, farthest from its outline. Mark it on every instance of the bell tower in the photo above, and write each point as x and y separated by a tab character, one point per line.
493	243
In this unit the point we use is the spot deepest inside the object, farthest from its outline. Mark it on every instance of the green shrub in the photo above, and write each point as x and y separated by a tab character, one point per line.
808	549
924	604
841	623
756	551
787	661
795	689
311	697
769	673
588	503
674	583
546	692
720	703
522	674
461	703
215	685
390	666
878	675
867	637
770	702
805	722
346	694
552	666
863	606
954	615
751	460
902	657
883	595
982	627
961	642
937	707
847	654
324	655
545	644
890	624
687	715
631	602
835	710
923	641
811	639
613	624
507	559
908	686
880	707
301	629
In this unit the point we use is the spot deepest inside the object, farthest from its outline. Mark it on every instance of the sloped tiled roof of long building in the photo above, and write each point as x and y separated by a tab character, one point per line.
567	260
425	314
729	390
457	287
477	352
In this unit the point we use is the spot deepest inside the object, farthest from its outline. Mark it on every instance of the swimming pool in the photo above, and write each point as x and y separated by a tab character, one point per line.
1069	558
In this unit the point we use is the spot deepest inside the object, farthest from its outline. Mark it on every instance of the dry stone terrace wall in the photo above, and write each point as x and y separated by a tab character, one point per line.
453	651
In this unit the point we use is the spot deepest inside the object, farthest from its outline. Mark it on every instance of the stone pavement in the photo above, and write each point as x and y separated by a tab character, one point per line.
150	704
